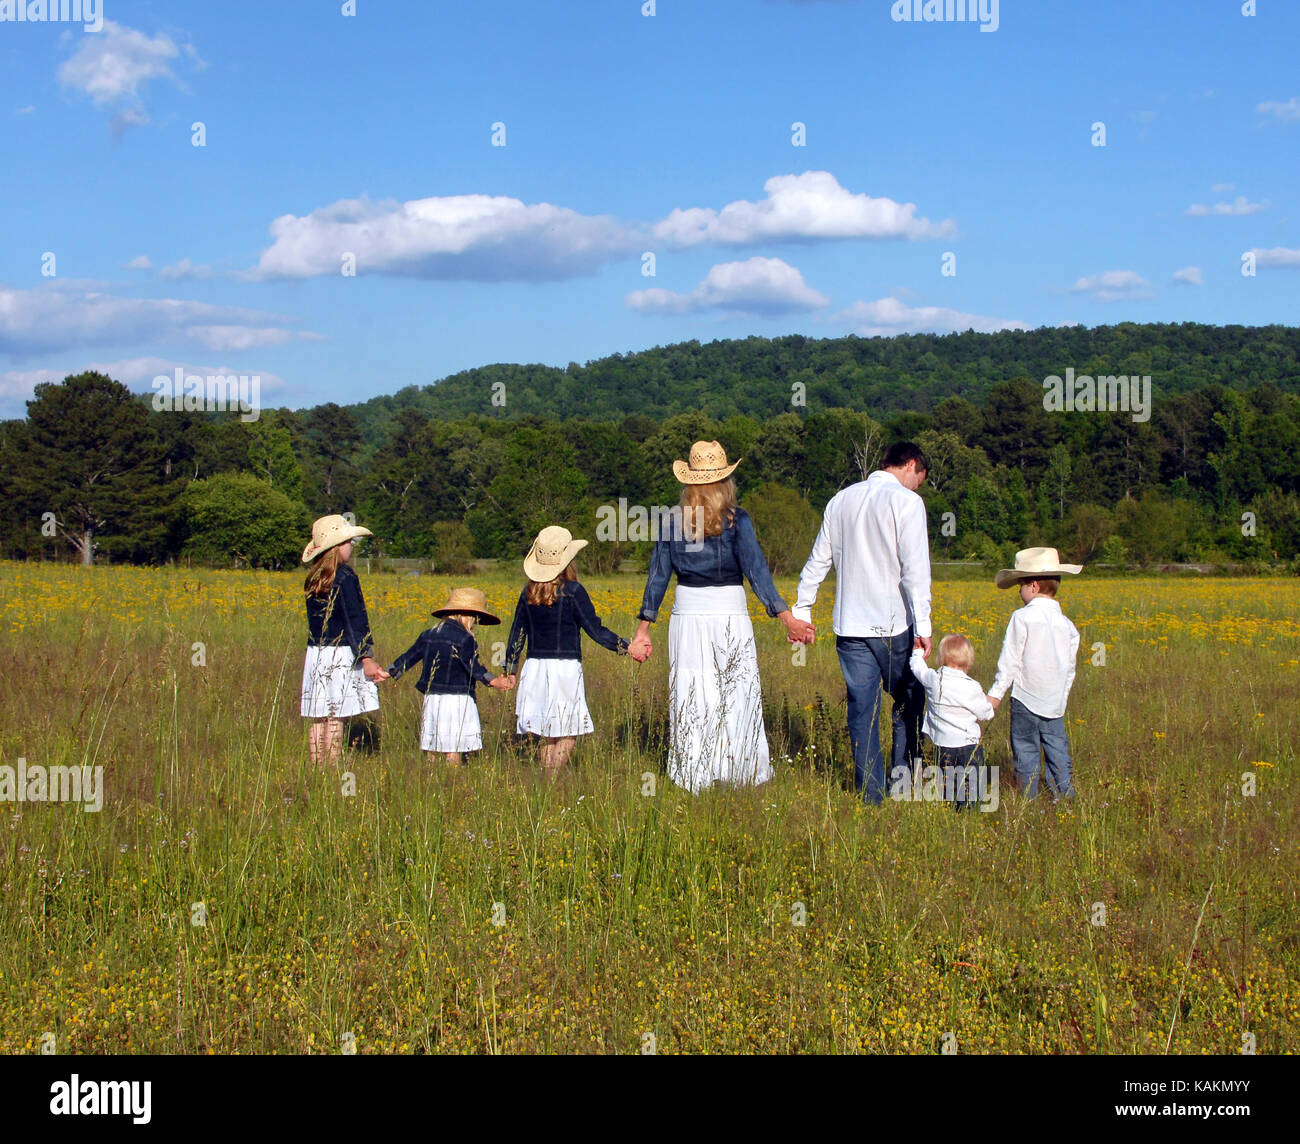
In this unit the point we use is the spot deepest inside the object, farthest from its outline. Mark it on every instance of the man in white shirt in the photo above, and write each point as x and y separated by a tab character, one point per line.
1037	664
875	534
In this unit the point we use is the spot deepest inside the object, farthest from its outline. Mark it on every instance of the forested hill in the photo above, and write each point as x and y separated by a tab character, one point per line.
881	376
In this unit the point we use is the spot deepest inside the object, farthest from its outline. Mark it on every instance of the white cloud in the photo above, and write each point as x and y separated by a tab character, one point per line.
1280	257
1112	286
185	269
889	316
1190	276
755	286
799	208
137	374
481	238
26	110
66	317
1288	112
1223	188
139	262
113	66
1239	206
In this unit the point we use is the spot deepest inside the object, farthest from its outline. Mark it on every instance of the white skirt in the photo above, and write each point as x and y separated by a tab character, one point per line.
551	699
715	723
450	723
333	688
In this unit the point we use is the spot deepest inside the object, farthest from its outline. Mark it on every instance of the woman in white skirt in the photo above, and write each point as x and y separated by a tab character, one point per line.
553	612
340	673
716	732
449	670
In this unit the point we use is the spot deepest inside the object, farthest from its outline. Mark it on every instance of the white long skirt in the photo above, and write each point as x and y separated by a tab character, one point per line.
551	699
715	724
333	688
450	723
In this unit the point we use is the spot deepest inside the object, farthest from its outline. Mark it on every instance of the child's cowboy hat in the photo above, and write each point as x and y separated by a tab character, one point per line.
467	602
1032	563
329	532
551	553
708	464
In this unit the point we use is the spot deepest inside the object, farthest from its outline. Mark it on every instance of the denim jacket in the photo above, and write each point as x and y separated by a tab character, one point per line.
339	618
448	658
730	558
555	632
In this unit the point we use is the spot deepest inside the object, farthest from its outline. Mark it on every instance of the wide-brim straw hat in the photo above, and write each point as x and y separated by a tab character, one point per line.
708	464
467	602
550	554
1032	563
329	532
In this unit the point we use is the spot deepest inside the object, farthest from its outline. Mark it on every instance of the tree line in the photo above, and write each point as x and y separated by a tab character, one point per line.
93	472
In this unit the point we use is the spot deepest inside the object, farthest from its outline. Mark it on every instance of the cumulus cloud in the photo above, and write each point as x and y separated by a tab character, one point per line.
66	317
798	208
1190	276
1279	257
1223	188
139	262
183	269
481	238
756	286
1112	286
113	67
1239	206
888	316
1288	112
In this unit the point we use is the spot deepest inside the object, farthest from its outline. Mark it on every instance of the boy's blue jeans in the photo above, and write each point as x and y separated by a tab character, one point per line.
870	663
1029	734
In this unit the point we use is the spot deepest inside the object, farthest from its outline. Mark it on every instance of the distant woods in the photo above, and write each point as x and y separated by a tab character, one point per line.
474	465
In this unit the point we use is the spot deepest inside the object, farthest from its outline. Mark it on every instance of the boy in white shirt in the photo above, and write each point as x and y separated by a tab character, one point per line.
1037	664
957	705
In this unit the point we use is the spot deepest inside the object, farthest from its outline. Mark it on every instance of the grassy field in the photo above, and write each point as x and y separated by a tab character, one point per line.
631	921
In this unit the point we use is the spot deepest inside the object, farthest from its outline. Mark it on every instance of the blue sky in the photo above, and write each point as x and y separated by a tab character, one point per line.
373	135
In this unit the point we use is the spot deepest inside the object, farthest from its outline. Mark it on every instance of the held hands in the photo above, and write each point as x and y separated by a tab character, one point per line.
994	703
373	671
796	630
640	647
502	682
925	643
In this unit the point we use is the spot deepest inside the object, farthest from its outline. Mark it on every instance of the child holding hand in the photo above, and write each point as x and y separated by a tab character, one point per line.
955	707
449	670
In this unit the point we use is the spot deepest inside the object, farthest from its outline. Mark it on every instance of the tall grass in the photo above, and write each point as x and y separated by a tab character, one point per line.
630	909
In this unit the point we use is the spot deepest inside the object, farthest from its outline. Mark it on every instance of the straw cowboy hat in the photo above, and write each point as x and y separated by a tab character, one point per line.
467	601
708	464
1032	563
328	532
551	553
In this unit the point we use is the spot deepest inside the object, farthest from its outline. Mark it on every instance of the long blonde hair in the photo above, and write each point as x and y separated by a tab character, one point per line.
546	592
320	579
708	509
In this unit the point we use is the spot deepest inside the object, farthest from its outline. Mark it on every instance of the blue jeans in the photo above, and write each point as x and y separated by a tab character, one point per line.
870	663
973	778
1031	733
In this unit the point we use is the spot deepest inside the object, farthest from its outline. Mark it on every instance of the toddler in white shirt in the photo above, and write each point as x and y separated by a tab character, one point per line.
955	707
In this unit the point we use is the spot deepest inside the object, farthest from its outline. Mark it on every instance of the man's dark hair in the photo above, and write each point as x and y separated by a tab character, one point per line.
900	452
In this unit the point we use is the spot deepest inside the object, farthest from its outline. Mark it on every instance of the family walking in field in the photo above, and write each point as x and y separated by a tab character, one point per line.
873	533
